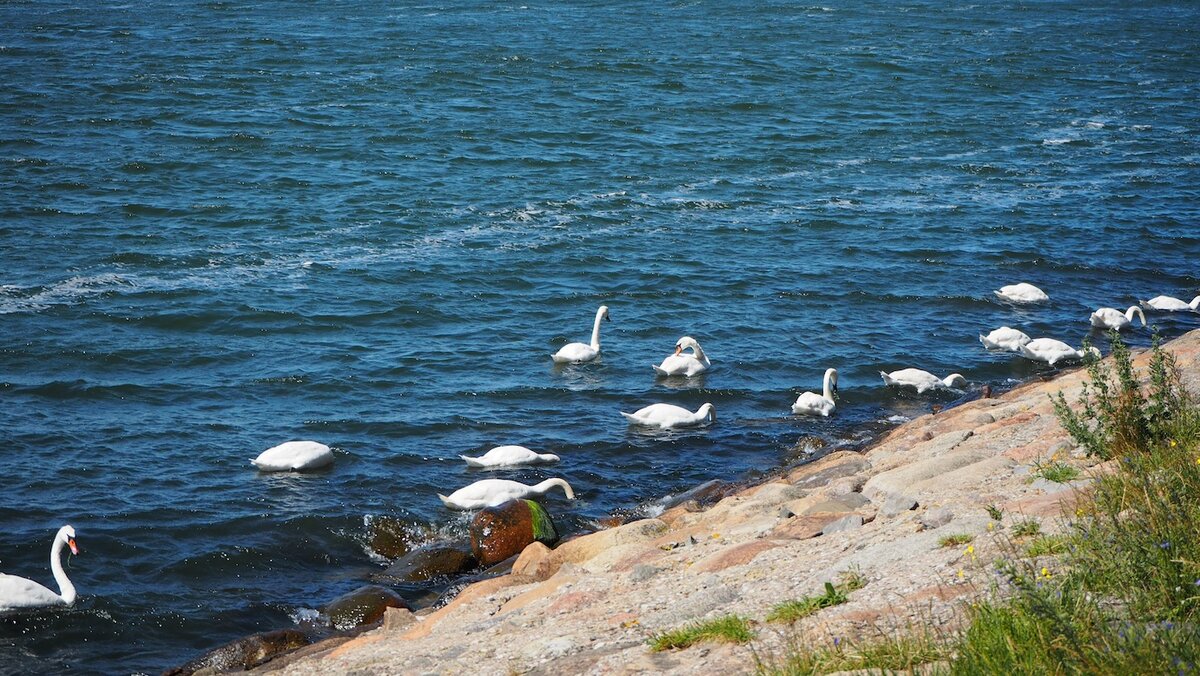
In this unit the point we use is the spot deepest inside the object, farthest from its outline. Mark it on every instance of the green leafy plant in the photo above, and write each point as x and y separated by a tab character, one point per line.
1026	528
955	539
1057	471
995	513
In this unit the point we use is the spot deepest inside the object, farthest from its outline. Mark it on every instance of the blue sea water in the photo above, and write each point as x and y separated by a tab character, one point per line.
226	225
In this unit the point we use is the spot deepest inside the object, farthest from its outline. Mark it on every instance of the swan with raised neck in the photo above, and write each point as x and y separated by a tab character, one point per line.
1112	318
577	353
811	403
19	592
682	364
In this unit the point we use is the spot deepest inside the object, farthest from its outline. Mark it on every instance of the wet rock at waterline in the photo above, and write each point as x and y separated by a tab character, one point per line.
433	560
363	606
500	532
390	537
244	653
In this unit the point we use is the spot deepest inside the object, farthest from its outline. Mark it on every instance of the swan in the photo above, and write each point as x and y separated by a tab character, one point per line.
1170	304
577	353
507	456
1021	293
684	364
17	592
667	416
1004	338
294	455
1053	351
1111	318
812	403
492	492
922	380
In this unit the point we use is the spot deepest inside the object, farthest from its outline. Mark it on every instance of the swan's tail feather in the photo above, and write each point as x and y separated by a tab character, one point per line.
987	344
445	500
887	380
630	417
472	462
659	371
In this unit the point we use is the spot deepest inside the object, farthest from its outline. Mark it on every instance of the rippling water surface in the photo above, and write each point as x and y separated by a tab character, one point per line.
226	225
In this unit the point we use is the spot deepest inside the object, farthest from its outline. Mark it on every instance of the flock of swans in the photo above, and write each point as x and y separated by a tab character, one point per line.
18	592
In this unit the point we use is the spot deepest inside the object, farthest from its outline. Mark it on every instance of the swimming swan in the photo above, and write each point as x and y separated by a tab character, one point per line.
1112	318
667	416
1170	304
508	456
684	364
294	456
811	403
922	380
1004	338
492	492
17	592
1053	351
1021	293
577	353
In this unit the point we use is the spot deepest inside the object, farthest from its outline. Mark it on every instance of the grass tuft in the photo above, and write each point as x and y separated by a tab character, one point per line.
995	513
1059	472
900	653
1047	545
790	611
955	539
727	629
1026	528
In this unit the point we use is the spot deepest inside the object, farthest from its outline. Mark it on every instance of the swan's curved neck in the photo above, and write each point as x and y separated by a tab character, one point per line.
596	330
546	485
66	589
830	379
698	351
1135	310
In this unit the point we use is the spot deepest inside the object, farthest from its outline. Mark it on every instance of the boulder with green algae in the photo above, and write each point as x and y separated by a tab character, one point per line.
500	532
363	606
244	653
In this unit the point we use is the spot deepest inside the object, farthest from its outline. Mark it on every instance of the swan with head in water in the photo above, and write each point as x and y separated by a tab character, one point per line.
1112	318
667	416
680	364
1169	304
1021	293
922	380
509	456
1053	351
1004	338
811	403
492	492
578	353
293	456
18	592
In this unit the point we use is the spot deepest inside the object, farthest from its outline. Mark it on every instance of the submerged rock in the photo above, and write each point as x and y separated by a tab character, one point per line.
433	560
363	606
707	493
500	532
244	653
390	537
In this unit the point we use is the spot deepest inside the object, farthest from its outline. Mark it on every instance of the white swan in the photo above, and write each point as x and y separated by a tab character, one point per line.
577	353
1112	318
1004	338
1053	351
1021	293
684	364
811	403
922	380
492	492
17	592
667	416
1169	304
294	455
507	456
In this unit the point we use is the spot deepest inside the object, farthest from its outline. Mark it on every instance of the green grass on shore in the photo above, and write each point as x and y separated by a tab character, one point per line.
727	628
1119	593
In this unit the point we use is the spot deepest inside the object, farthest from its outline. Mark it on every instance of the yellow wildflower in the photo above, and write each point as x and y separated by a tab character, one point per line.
1045	572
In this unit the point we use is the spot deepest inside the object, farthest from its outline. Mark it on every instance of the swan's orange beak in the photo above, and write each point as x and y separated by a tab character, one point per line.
71	544
678	349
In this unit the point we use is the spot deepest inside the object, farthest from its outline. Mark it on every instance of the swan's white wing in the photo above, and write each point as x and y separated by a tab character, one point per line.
575	352
18	592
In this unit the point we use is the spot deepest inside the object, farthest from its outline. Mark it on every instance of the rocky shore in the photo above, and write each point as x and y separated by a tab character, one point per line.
590	604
